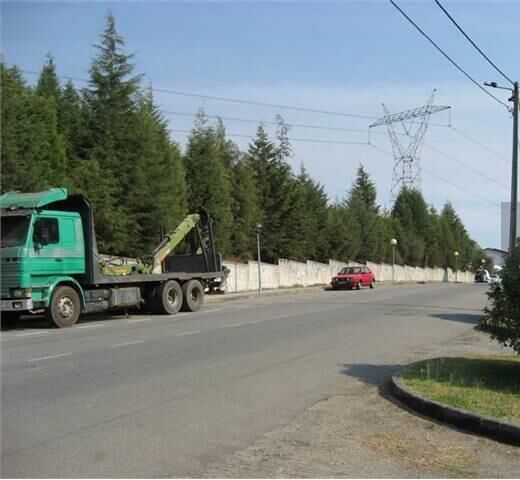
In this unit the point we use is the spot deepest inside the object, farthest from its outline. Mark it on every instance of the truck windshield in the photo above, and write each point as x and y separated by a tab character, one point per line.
14	230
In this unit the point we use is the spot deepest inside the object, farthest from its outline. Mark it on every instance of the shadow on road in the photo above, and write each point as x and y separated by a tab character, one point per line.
375	375
471	318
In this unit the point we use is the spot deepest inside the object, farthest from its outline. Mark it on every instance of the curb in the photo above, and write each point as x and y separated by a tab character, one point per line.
480	424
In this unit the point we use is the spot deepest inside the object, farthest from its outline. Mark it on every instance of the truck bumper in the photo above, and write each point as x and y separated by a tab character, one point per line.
17	305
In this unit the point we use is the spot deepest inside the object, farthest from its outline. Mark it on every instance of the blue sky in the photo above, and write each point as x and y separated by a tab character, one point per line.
342	56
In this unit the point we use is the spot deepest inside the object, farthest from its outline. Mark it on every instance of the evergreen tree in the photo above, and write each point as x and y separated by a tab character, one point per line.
209	183
245	210
362	208
274	184
308	219
48	83
342	232
33	153
411	213
112	98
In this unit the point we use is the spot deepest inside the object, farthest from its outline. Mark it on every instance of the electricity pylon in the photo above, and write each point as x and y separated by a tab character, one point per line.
407	145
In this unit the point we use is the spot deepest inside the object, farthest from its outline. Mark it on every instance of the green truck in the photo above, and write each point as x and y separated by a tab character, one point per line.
50	263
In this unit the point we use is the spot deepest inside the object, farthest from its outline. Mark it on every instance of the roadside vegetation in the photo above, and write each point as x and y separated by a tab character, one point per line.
503	315
487	385
108	139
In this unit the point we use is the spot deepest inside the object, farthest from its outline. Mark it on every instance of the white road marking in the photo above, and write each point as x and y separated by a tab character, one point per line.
127	343
234	325
49	357
92	326
31	333
139	320
191	332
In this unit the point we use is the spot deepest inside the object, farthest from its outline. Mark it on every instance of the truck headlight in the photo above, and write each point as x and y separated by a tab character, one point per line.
21	292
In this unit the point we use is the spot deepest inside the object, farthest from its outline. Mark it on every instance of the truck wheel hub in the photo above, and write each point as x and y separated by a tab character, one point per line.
171	297
65	307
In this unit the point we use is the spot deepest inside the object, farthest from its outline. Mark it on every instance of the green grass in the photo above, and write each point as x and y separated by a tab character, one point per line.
486	385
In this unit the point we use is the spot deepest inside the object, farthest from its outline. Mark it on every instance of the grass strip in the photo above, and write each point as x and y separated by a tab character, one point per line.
487	385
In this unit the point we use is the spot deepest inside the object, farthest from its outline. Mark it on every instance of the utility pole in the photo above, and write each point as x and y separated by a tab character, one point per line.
258	230
514	167
514	171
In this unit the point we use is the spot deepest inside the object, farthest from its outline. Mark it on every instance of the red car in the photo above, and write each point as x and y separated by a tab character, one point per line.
354	277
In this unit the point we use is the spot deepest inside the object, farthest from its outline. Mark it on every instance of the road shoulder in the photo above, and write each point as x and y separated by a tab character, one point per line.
364	432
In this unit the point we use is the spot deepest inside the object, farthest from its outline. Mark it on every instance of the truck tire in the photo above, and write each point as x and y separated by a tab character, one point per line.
193	293
168	298
65	307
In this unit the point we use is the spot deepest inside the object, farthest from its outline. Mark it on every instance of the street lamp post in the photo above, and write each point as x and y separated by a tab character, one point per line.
258	229
515	98
393	242
456	266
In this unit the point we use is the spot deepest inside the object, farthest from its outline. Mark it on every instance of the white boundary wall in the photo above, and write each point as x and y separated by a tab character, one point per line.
244	276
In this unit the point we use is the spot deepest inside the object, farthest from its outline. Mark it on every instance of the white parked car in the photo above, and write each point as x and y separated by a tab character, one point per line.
495	279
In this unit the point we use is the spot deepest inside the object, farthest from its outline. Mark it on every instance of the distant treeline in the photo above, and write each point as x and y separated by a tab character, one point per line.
110	142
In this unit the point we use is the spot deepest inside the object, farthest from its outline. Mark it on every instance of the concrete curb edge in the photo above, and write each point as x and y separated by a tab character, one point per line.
480	424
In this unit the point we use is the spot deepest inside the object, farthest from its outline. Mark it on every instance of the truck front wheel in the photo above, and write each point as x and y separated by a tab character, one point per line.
193	296
65	307
168	298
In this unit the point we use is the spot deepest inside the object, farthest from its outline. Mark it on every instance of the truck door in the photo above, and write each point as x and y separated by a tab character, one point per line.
47	252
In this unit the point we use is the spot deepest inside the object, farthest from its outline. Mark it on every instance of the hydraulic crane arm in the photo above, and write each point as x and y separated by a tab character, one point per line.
170	241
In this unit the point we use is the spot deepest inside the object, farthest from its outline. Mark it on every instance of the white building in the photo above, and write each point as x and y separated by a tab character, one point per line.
498	256
505	224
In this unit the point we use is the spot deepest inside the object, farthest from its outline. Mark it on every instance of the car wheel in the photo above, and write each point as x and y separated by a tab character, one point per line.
358	286
373	284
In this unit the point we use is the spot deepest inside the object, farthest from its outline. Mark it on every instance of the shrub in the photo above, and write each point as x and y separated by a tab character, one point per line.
503	314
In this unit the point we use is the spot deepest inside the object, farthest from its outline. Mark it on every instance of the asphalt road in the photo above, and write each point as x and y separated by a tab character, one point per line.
169	396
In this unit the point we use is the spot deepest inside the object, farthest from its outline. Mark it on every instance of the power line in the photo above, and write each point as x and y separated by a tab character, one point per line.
267	122
229	99
253	121
472	42
467	75
449	182
311	126
262	104
308	140
476	142
465	165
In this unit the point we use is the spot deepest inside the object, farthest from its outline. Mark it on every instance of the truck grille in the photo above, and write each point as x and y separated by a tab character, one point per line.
11	275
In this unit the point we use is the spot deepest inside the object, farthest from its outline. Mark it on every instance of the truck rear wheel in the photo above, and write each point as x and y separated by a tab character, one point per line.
65	307
168	298
193	296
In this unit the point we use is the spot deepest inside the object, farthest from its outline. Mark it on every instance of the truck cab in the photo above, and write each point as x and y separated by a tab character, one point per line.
39	247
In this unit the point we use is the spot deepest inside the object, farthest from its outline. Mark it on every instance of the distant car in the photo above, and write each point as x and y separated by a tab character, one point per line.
482	276
495	279
353	277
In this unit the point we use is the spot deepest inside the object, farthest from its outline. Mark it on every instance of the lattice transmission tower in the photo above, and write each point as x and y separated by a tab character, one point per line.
407	144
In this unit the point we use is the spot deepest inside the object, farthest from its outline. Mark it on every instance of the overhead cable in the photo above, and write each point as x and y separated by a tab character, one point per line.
467	75
449	182
465	165
308	140
472	42
233	100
